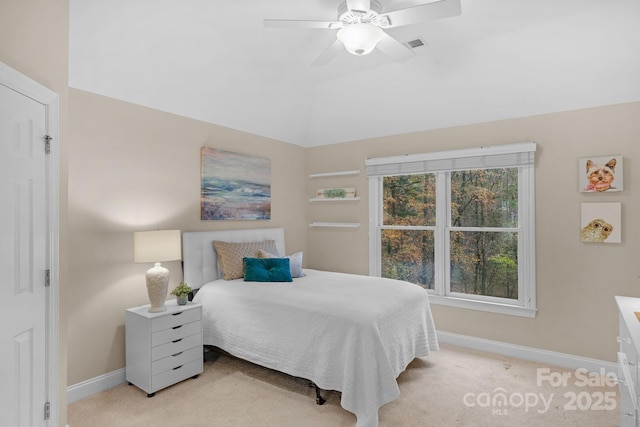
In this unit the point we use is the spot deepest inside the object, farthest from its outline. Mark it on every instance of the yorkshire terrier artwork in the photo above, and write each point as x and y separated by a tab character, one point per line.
601	174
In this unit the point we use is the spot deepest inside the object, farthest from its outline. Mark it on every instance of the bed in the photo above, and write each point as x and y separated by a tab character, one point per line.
350	333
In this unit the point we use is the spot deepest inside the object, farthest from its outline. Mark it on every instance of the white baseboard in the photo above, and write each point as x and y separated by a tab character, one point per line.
95	385
104	382
531	354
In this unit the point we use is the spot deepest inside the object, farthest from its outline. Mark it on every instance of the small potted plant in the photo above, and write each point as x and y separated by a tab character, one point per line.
181	292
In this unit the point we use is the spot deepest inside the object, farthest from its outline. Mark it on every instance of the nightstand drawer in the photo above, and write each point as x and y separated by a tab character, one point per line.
170	362
627	413
625	380
177	374
177	346
626	343
175	333
175	319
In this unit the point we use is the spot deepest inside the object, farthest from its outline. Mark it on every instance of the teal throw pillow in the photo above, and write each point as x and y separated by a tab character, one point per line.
267	270
295	261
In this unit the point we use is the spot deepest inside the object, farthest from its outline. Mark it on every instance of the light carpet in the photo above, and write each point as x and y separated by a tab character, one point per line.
451	387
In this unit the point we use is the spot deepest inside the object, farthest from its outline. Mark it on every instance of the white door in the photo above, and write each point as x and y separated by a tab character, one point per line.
23	260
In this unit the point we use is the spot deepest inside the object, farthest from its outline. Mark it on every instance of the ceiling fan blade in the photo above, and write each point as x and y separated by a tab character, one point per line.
293	23
394	48
421	13
363	5
330	53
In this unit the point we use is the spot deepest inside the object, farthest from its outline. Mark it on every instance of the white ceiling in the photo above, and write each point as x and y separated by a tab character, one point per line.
214	61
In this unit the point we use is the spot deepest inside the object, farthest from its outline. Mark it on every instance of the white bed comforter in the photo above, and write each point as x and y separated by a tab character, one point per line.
345	332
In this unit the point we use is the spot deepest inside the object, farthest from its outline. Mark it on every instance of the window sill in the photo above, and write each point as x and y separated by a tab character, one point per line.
492	307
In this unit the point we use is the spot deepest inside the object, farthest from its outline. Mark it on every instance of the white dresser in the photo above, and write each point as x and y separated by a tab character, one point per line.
163	348
629	340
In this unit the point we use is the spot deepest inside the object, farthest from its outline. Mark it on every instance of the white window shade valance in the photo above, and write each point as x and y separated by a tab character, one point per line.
499	156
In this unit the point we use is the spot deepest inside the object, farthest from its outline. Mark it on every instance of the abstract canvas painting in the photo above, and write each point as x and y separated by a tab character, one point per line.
234	186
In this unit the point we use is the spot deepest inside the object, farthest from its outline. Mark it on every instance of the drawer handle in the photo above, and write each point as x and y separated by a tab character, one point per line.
177	341
177	354
176	314
177	327
177	367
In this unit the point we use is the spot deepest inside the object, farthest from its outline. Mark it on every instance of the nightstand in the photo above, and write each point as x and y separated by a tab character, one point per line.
163	348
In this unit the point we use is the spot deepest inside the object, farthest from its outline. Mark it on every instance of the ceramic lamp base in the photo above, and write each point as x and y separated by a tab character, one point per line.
157	286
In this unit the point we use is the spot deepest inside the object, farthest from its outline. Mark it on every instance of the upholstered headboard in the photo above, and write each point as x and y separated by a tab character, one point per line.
200	262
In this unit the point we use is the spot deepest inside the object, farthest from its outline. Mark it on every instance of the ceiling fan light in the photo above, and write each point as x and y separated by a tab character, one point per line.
361	38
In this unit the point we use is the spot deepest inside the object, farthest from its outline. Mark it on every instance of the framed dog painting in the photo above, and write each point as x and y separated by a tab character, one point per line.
601	223
600	174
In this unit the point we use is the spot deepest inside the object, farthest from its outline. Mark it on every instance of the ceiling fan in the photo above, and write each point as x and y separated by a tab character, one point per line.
361	26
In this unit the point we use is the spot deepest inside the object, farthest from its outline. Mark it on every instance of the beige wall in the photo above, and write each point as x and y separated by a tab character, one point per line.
132	168
33	40
576	281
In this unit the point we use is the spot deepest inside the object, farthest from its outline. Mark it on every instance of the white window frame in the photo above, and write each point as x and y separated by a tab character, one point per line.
519	155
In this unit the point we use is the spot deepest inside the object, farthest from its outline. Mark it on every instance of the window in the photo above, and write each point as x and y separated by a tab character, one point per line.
459	223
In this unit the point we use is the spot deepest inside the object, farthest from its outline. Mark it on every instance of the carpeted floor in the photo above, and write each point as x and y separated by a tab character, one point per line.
451	387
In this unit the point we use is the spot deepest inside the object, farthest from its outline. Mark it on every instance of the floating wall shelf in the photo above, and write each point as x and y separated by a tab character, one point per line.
335	199
340	173
336	224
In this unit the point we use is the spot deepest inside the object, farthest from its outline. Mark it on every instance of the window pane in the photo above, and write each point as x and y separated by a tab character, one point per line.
484	263
409	200
408	255
484	198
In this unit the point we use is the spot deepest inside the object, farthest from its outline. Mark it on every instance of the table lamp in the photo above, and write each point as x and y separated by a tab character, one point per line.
157	246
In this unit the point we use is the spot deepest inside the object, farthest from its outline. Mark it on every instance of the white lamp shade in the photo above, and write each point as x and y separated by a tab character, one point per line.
157	246
361	38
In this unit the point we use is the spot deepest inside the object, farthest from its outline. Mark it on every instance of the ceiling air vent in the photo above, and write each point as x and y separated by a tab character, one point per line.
415	43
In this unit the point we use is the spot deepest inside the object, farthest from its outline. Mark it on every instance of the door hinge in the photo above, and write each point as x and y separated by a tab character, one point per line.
47	144
47	277
47	410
